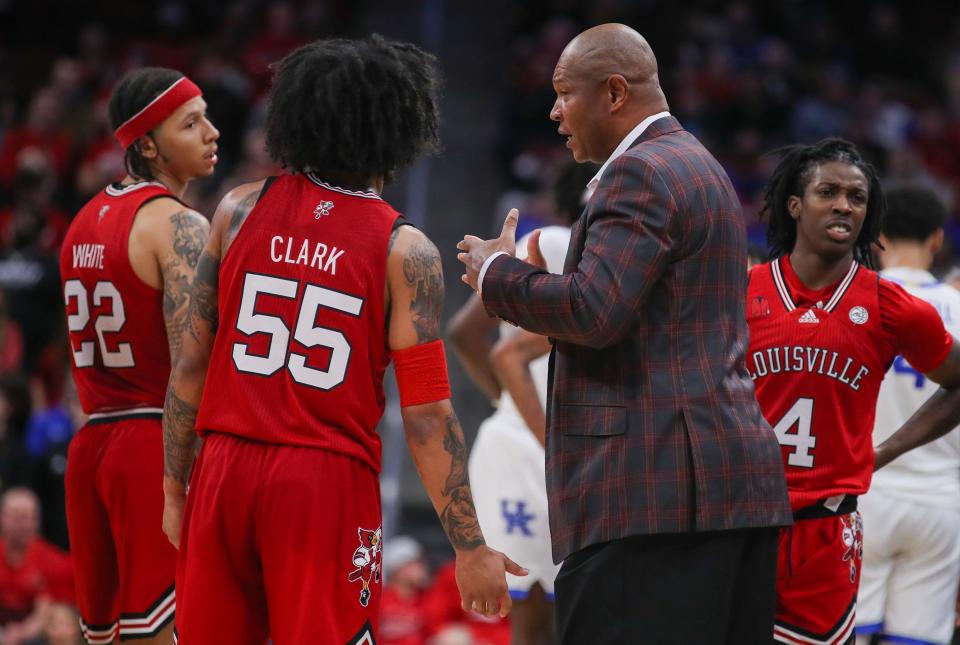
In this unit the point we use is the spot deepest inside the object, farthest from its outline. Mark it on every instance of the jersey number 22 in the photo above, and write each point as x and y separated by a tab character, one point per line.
113	322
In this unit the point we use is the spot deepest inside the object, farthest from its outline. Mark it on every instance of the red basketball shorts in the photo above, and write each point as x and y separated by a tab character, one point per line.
278	542
124	564
818	573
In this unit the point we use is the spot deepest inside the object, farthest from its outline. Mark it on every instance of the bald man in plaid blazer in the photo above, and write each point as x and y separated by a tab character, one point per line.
665	483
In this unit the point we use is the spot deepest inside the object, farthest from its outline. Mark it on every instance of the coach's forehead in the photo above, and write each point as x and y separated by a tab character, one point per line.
605	50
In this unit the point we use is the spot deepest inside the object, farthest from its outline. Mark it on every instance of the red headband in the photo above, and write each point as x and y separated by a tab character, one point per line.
156	111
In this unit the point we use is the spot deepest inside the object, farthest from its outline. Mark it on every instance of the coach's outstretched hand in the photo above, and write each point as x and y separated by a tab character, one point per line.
474	251
483	586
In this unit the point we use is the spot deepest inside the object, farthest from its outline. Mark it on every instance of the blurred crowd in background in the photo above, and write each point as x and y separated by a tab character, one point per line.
744	77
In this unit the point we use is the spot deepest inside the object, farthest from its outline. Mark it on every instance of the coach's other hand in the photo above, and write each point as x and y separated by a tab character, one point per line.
482	583
534	256
475	251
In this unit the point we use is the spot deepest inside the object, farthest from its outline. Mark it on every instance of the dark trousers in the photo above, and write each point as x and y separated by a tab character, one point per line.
685	589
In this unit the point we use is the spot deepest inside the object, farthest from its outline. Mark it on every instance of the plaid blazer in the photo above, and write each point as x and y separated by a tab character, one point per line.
653	426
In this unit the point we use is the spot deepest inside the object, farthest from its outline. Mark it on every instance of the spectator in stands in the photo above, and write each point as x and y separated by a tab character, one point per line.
11	340
279	36
403	617
32	572
61	626
455	635
28	267
101	160
41	130
16	467
33	201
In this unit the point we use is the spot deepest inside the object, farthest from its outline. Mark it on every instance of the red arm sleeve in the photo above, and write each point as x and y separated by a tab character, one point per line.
914	328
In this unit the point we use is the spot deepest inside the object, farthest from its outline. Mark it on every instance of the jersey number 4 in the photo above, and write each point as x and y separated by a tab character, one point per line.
306	332
113	322
801	417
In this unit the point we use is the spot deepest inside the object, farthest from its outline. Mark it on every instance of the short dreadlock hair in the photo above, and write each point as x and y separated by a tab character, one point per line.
361	107
133	93
790	178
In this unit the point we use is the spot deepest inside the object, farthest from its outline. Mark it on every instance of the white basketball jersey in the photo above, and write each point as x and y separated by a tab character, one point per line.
930	474
553	246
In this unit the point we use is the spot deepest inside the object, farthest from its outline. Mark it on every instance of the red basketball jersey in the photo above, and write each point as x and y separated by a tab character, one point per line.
817	359
118	339
301	347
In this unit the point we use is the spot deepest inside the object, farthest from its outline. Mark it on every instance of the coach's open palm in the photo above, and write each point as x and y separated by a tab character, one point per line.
482	583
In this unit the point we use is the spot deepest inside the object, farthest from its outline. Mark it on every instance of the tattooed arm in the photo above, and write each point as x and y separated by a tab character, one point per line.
178	264
189	372
166	240
434	435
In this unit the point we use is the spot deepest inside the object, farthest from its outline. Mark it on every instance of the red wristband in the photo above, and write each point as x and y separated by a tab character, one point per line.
421	373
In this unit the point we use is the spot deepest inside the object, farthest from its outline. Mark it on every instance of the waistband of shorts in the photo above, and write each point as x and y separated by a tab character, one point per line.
122	415
832	506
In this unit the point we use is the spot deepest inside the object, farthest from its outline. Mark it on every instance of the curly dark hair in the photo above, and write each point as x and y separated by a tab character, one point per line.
913	213
133	93
363	108
790	178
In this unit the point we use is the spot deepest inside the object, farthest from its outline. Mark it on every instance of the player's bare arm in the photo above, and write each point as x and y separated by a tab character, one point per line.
434	435
512	357
165	244
935	418
189	371
469	332
178	264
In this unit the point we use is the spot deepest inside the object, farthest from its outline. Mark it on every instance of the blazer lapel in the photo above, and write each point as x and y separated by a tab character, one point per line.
578	238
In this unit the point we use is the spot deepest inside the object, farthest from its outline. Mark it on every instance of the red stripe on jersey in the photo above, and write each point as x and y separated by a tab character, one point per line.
301	350
121	358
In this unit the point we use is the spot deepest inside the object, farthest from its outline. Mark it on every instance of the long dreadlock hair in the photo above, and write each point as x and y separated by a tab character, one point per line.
790	178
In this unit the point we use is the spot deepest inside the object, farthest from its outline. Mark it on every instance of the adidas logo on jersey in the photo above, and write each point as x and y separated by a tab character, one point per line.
809	317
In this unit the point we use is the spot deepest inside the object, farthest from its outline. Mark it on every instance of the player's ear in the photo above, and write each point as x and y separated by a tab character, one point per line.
793	206
936	241
147	147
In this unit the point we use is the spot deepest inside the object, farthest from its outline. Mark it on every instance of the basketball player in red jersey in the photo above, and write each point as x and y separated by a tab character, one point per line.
126	264
824	328
310	284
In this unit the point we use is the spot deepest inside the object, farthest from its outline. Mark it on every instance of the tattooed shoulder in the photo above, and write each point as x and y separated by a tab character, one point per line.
177	265
393	238
189	236
240	213
423	273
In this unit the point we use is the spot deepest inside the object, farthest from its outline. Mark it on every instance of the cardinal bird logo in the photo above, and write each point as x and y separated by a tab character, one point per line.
322	209
366	559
